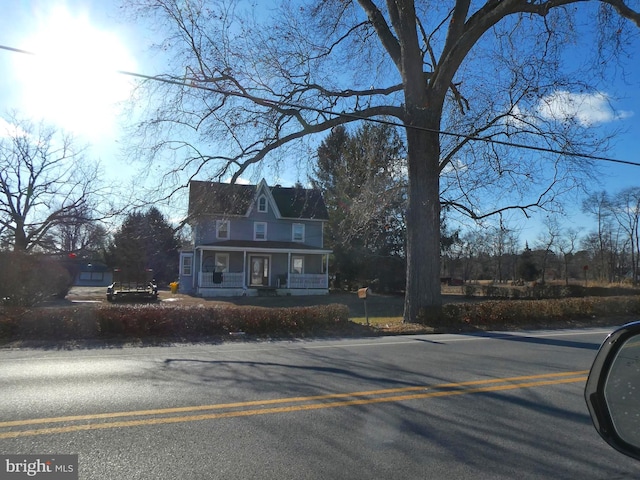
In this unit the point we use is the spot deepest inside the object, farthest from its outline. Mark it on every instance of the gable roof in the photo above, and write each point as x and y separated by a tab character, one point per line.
296	202
214	198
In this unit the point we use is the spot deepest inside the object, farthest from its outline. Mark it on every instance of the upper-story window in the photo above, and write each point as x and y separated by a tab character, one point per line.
260	231
297	232
262	204
222	229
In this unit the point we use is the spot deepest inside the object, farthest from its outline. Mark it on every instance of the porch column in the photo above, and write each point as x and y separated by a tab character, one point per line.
244	269
193	269
200	268
326	270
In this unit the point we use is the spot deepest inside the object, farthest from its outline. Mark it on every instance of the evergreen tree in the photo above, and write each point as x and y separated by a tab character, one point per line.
527	268
146	240
363	183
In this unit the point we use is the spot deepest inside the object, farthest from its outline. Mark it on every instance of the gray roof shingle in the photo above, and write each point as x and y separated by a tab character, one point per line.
214	198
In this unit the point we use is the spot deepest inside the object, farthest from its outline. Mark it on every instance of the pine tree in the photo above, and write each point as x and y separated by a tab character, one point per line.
146	240
361	178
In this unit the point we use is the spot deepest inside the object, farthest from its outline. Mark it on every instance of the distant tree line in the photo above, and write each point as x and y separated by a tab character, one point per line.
608	254
363	178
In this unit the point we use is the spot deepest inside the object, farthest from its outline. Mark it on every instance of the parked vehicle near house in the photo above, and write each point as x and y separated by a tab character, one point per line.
255	239
132	284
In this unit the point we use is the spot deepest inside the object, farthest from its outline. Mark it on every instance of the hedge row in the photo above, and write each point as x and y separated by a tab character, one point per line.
139	321
541	291
494	313
132	321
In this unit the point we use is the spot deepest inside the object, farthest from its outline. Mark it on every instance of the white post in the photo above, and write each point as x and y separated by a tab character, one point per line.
200	268
193	267
326	270
244	269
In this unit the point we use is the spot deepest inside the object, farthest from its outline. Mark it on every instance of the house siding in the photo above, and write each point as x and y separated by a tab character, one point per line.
277	230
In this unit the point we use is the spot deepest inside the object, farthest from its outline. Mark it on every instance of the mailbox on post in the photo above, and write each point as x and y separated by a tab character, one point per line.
362	293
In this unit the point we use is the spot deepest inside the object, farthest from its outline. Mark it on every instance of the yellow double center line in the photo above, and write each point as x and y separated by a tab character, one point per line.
77	423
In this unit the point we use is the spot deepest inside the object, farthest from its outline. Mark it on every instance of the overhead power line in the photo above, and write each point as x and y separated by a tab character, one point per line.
280	103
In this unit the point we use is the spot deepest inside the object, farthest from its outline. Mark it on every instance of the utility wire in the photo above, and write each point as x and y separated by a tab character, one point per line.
280	103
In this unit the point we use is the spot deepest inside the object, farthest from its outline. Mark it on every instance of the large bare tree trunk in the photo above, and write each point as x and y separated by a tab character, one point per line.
422	113
423	224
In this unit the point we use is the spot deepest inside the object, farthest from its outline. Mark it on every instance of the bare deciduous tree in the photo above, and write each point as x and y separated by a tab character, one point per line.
247	84
567	244
45	182
547	243
626	209
81	236
610	242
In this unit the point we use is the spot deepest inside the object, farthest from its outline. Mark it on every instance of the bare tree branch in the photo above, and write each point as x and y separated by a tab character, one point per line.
44	182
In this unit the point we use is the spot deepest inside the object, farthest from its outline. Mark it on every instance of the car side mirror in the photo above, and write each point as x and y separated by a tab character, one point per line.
612	391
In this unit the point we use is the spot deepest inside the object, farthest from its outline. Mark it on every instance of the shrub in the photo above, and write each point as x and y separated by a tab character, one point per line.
541	291
514	293
159	320
503	314
28	279
491	291
50	323
469	291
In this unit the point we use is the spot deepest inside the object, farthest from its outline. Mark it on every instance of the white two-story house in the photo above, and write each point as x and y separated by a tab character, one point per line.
252	239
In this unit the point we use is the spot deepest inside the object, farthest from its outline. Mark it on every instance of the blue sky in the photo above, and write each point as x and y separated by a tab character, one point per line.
60	90
79	93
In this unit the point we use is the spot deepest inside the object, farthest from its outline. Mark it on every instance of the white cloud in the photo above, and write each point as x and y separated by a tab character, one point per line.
9	130
519	118
588	109
5	128
239	181
455	165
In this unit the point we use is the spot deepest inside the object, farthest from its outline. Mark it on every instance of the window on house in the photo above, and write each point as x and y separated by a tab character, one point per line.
186	266
262	204
297	232
259	231
222	262
297	264
222	229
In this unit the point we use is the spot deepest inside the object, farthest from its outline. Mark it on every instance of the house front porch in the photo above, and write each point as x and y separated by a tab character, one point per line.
230	284
262	268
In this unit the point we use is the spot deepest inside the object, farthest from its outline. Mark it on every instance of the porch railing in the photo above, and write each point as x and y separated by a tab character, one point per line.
221	280
307	280
235	280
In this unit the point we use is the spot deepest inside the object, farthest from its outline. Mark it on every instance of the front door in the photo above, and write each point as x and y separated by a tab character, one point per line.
259	274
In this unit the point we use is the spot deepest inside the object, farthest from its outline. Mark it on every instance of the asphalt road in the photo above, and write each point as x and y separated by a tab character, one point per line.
430	407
